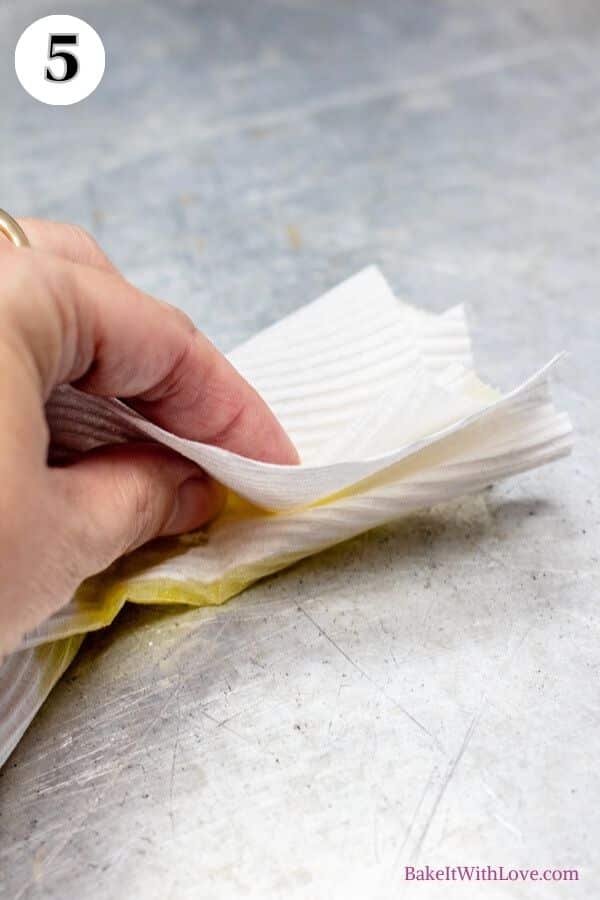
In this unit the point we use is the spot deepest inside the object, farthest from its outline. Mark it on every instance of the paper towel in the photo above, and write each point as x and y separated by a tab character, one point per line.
387	415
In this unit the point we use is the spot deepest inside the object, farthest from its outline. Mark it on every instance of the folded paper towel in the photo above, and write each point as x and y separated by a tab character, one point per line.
388	417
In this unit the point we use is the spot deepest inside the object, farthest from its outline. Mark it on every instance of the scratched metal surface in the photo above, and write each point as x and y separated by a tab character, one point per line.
428	693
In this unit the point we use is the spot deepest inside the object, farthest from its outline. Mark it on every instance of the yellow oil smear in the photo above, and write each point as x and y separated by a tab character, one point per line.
99	599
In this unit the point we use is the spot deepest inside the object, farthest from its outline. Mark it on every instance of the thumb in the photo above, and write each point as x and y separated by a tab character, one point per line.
116	498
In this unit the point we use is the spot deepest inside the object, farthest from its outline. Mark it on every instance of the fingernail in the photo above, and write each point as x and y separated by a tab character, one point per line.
199	499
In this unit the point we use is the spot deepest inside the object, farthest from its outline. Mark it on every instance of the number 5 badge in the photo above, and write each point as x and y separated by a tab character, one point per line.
60	60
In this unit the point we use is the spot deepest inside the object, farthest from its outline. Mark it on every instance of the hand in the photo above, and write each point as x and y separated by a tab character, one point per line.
67	316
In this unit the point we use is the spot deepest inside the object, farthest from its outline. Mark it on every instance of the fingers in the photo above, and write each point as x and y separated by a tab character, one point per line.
76	521
118	498
70	242
89	326
204	398
69	317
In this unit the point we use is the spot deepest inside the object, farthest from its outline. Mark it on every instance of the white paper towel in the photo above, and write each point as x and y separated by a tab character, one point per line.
388	417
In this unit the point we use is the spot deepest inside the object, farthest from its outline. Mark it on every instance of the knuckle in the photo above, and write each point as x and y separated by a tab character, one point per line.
182	320
142	511
79	235
82	247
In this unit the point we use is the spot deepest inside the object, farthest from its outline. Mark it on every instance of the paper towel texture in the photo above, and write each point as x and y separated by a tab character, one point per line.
383	406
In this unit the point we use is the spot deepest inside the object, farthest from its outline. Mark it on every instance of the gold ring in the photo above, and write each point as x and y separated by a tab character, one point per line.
12	230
